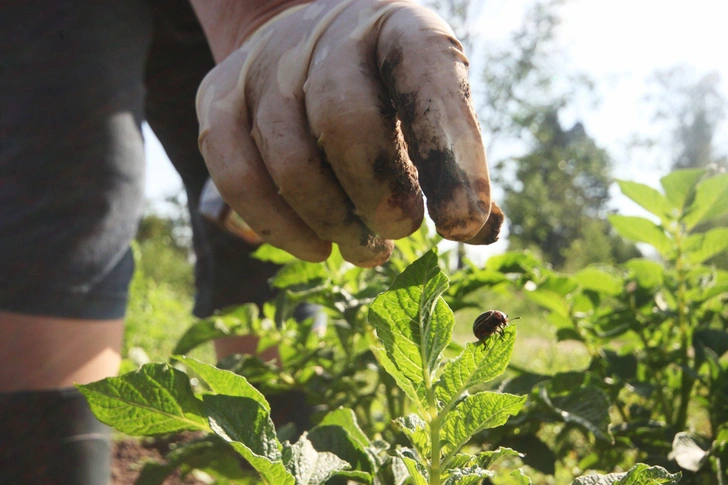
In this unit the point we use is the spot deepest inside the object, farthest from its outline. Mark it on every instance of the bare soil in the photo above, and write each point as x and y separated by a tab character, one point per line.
129	455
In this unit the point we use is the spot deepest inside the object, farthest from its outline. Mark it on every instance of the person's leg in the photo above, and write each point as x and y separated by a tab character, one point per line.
178	60
49	352
71	173
225	273
49	435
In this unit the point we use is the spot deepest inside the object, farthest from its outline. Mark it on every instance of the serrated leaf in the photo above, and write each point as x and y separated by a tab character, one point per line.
272	254
598	280
679	185
476	413
416	393
418	433
711	201
586	406
647	197
475	365
246	425
155	399
300	275
467	476
236	322
701	247
648	274
224	381
642	230
311	467
412	320
687	452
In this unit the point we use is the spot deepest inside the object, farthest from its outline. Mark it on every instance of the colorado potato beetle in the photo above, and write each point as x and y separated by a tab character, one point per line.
490	322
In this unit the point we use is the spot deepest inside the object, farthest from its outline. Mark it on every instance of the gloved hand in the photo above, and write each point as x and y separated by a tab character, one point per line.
306	129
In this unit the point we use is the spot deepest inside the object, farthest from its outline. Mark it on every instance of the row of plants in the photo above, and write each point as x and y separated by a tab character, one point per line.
396	400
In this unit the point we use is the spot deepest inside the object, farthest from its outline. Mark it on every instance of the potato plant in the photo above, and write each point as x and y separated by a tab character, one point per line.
438	389
657	332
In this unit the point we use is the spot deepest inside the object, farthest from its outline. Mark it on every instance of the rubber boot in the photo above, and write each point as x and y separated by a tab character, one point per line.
52	438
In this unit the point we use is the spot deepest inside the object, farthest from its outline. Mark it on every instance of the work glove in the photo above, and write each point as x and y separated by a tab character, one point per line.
331	120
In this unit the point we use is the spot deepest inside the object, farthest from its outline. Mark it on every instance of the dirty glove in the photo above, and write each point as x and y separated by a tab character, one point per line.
330	121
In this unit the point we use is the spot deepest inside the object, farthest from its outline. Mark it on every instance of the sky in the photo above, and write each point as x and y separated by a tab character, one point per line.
619	43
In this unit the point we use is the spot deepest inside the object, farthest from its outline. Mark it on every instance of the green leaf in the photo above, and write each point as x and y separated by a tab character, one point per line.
643	230
311	467
711	201
474	366
339	434
272	254
415	392
235	322
647	197
687	452
561	285
417	431
300	276
476	413
246	425
585	406
598	280
346	418
701	247
416	470
467	476
520	477
478	280
413	321
224	381
648	274
680	184
609	479
155	399
549	300
486	459
513	262
640	474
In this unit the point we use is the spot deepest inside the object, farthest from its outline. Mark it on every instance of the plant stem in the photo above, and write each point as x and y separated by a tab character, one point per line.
435	440
686	379
434	428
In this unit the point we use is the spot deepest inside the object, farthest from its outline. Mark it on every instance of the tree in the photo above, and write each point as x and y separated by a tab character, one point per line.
561	194
692	109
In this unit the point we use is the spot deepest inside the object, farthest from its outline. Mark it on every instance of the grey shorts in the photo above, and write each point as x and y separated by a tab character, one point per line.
77	79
